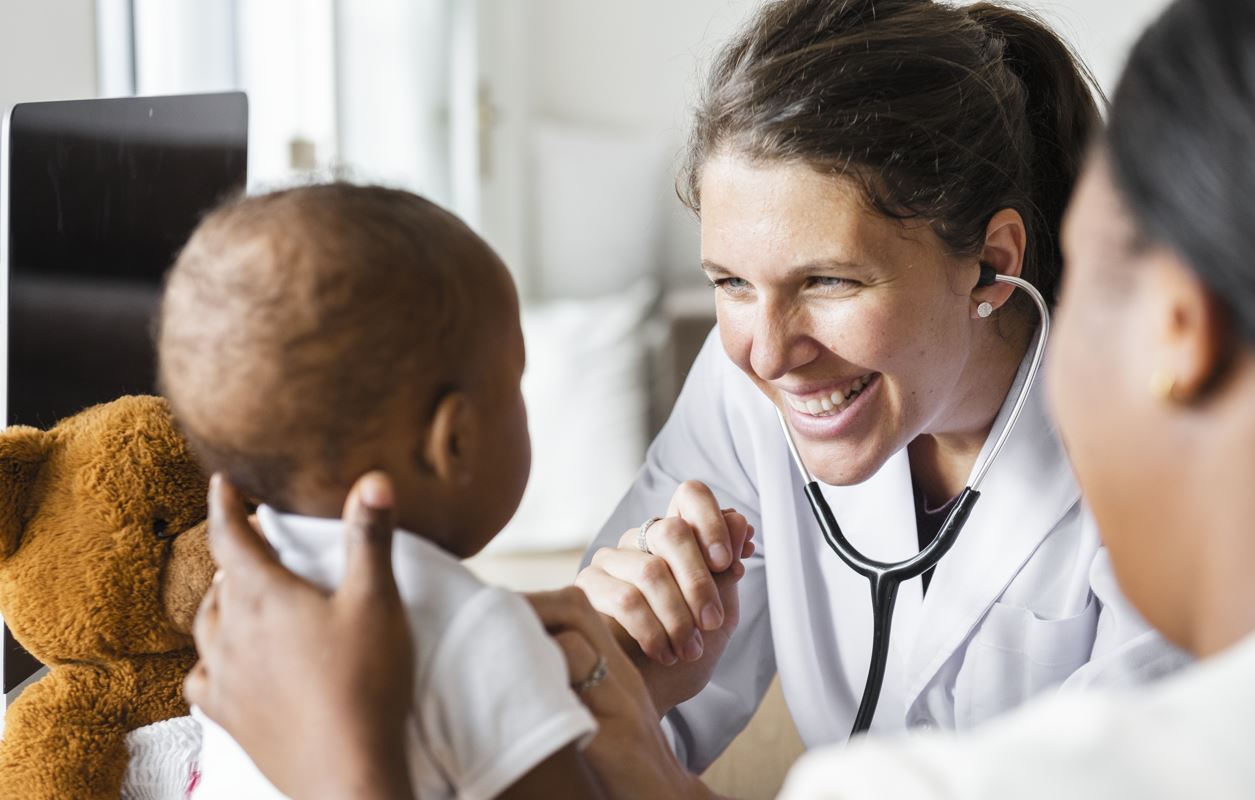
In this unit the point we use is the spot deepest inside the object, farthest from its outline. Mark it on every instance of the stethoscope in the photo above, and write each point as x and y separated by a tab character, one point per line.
885	578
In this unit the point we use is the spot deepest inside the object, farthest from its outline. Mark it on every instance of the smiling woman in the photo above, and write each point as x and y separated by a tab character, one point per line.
857	167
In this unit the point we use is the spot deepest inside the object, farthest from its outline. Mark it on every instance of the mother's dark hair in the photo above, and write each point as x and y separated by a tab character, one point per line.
943	113
1182	143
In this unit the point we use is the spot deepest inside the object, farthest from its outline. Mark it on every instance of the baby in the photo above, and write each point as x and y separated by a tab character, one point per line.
314	334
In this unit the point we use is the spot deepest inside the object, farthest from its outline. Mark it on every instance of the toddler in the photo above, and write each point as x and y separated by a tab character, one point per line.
311	335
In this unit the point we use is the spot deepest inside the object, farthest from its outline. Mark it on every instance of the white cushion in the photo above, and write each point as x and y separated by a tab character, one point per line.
587	403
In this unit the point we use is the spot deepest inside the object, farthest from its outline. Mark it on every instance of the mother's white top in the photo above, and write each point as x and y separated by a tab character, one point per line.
1024	603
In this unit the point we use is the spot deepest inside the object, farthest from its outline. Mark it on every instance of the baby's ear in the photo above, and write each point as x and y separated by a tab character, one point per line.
22	453
451	439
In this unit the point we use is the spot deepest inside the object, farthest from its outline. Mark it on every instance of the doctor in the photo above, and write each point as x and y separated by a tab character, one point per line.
853	165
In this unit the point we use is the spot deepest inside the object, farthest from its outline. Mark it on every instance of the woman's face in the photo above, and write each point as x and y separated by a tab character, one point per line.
1102	361
854	325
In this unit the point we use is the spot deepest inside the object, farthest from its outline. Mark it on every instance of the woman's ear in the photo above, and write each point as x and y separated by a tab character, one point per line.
451	440
1195	332
1006	241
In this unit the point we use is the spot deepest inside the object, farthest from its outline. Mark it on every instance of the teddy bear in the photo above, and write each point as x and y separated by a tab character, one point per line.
103	562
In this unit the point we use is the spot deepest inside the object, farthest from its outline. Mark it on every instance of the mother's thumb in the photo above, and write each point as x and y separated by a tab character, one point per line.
369	519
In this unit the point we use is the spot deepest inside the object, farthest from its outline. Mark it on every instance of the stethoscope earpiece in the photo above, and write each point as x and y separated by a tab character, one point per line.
988	275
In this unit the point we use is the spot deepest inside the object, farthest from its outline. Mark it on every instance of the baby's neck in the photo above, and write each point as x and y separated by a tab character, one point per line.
330	504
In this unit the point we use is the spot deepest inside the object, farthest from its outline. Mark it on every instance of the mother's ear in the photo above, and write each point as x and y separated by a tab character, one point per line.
22	453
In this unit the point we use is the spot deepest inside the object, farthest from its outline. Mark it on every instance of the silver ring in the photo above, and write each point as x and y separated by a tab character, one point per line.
595	677
641	544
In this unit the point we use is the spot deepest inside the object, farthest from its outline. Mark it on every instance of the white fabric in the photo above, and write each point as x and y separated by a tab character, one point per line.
1189	736
491	694
163	758
587	409
1023	603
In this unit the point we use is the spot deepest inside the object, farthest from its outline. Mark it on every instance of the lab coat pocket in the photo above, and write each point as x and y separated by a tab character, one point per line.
1015	655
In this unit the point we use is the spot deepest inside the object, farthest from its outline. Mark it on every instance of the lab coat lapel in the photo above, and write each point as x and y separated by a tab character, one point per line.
1027	491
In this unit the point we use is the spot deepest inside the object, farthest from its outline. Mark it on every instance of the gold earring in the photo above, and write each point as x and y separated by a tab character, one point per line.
1164	386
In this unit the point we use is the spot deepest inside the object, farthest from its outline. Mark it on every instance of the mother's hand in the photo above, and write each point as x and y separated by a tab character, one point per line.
630	753
279	655
675	607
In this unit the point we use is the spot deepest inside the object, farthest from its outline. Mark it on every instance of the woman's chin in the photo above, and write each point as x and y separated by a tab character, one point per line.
843	470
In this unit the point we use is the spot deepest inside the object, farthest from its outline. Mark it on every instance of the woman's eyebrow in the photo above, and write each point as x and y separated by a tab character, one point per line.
809	266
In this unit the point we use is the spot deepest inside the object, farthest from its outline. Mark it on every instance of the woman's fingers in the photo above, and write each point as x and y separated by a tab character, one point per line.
368	527
236	545
672	540
659	587
696	504
626	604
571	609
581	658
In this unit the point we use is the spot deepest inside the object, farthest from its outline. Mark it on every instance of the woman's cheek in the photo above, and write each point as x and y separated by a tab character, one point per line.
736	332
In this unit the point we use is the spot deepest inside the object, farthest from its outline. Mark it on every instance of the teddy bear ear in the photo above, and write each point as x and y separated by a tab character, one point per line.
22	453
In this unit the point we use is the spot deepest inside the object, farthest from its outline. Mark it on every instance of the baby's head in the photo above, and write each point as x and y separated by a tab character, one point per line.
313	334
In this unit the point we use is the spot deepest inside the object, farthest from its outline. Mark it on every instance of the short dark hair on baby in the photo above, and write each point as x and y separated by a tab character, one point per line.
294	322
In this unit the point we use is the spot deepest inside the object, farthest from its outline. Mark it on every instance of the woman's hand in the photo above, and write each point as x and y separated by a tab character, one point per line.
279	655
675	607
630	753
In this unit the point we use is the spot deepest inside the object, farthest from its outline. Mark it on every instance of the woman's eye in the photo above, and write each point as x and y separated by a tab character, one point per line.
828	282
732	286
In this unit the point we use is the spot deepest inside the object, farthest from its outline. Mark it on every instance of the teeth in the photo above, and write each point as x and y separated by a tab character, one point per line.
832	404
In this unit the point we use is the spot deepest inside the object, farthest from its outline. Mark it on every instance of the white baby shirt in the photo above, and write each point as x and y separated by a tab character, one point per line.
492	699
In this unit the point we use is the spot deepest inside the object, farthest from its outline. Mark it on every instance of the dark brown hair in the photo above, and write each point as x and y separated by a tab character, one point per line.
942	113
293	323
1182	144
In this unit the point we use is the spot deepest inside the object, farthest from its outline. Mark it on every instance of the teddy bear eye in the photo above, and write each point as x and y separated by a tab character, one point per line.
161	529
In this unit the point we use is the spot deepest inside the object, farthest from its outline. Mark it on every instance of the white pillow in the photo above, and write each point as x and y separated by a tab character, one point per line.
587	402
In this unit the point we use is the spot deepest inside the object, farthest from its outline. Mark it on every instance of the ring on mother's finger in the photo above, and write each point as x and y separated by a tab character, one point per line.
641	544
595	677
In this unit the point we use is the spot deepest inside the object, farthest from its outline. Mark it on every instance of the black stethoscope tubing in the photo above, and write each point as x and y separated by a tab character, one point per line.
885	578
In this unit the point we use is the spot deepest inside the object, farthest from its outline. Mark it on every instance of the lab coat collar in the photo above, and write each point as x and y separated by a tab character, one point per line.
1028	489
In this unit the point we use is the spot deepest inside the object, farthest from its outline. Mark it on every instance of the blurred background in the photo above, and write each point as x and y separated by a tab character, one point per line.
554	127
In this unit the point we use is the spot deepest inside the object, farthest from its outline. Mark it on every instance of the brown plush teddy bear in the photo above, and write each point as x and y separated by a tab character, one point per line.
103	561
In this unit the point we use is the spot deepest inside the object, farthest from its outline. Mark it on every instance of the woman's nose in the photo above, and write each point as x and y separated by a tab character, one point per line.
780	345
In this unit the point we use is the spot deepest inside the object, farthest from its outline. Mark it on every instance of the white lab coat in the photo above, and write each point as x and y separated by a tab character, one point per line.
1023	603
1189	736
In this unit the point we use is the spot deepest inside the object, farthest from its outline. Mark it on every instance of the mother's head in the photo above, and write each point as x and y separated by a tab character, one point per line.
854	163
1153	375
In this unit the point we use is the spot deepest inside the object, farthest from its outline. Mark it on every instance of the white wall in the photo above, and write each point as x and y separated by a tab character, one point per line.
47	50
637	66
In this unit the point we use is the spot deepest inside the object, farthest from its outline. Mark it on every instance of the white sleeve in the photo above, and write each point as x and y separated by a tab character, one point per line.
1127	650
496	701
703	440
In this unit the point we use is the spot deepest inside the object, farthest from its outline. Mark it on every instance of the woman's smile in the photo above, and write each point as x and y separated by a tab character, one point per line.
817	417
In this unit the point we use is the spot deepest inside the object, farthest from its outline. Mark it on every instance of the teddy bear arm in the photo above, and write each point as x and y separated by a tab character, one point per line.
65	736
